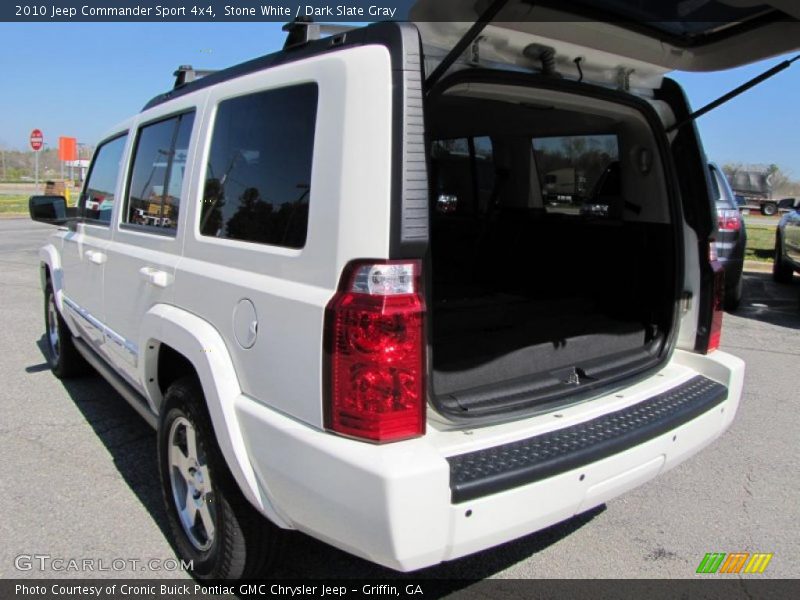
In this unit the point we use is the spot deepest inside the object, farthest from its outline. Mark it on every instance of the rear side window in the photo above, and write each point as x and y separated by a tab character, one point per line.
258	178
577	169
463	174
721	190
97	200
159	162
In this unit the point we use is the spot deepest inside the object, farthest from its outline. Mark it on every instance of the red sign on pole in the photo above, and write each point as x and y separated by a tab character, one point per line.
67	148
37	140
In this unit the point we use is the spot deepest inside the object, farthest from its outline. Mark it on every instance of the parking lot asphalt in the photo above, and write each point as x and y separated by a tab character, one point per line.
79	469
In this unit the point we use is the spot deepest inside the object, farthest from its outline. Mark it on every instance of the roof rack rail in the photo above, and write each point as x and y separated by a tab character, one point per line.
301	31
187	74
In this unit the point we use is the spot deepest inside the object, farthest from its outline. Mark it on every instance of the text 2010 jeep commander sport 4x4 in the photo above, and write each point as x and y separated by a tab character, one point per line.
413	295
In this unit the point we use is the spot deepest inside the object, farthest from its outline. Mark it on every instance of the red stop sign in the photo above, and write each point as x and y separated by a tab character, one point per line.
37	139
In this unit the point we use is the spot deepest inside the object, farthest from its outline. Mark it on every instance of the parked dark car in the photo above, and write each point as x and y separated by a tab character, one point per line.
787	244
731	237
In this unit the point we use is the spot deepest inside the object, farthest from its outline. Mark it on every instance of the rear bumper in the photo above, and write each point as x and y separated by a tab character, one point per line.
484	472
399	505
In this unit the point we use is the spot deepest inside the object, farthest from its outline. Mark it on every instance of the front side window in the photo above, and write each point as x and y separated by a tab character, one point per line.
97	199
258	177
159	162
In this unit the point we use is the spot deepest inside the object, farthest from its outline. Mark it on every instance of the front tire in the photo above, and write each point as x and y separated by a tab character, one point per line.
768	209
65	360
212	523
781	272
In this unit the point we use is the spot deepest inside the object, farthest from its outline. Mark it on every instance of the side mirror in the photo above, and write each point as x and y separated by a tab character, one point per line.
52	210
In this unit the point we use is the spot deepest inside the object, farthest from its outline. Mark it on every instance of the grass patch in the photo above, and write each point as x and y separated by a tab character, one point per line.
760	243
14	205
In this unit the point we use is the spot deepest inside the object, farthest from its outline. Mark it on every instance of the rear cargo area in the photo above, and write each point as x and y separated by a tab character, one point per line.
553	253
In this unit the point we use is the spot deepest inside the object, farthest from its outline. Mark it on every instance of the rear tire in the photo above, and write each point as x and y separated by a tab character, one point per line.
65	360
768	209
781	272
212	523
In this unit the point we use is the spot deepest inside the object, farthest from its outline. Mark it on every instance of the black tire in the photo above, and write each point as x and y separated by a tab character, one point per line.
243	543
65	360
733	296
768	209
781	272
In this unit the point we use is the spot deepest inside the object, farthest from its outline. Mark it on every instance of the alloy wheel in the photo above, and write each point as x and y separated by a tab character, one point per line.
192	490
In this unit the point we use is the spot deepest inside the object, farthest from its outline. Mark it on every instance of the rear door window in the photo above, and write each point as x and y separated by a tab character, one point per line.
154	190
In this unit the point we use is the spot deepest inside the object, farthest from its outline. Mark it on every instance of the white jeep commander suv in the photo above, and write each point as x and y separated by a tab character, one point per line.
335	281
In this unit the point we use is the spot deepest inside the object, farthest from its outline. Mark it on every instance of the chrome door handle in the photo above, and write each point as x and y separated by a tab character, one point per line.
97	258
155	277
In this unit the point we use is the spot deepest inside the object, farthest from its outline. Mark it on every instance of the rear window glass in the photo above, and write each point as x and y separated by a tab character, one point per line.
258	178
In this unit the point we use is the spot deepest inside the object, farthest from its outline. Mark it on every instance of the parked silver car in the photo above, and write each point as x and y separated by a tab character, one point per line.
787	245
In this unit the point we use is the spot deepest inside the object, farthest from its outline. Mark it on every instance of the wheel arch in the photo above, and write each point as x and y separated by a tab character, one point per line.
50	269
173	341
171	366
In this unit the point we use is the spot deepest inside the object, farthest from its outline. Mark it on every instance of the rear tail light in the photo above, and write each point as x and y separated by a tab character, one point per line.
375	352
729	220
715	331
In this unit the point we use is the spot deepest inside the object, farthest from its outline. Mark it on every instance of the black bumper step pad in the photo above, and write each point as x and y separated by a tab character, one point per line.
483	472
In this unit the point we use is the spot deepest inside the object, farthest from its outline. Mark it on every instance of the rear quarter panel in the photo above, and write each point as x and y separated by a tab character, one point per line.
349	211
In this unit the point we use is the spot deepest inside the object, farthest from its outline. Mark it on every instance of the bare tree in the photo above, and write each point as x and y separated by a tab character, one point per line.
778	179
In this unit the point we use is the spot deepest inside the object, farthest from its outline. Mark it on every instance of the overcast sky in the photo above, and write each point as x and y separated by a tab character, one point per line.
79	79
